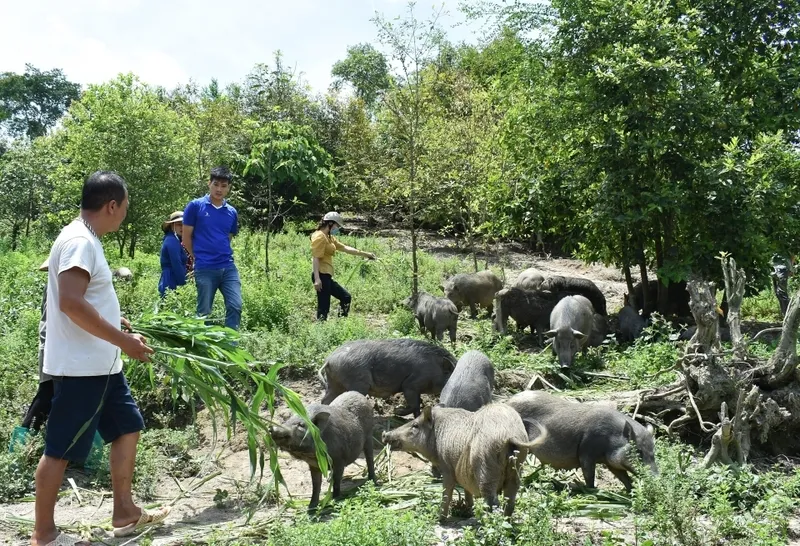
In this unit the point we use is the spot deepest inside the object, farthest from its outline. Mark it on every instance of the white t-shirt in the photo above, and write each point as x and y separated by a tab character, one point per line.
70	350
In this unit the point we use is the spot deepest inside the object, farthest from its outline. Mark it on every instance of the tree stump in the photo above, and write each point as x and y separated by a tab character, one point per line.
703	304
783	362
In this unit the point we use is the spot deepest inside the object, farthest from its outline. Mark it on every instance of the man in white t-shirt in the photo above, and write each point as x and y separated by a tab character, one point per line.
82	354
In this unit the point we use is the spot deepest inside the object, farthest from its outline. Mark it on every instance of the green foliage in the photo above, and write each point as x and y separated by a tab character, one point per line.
32	102
124	126
361	521
366	69
689	505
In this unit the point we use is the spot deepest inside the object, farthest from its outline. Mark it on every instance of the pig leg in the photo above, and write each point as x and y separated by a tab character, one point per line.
473	312
622	476
316	486
449	483
411	394
453	335
421	324
587	466
469	499
338	472
369	454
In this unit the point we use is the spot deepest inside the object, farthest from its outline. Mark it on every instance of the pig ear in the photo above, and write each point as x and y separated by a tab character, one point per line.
427	416
321	420
550	333
578	334
627	431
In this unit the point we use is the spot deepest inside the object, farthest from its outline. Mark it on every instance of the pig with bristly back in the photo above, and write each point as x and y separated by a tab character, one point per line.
383	367
529	279
582	435
470	386
435	315
631	324
345	426
480	451
472	289
578	286
526	307
571	323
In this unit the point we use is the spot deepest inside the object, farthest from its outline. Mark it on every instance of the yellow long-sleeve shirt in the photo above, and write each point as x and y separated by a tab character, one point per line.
324	247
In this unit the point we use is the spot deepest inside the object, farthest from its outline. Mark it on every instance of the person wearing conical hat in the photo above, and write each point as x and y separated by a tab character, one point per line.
174	257
324	245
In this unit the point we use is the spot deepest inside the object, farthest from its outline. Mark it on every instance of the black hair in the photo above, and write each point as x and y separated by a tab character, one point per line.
221	173
325	223
101	188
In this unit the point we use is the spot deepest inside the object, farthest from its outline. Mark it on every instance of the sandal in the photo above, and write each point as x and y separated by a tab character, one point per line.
63	539
147	519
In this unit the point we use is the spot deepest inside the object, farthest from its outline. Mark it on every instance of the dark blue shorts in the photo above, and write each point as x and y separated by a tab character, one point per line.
83	405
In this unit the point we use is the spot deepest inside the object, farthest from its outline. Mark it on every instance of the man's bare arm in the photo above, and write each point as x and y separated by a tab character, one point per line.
72	285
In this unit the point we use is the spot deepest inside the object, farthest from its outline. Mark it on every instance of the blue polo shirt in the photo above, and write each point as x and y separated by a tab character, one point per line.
212	225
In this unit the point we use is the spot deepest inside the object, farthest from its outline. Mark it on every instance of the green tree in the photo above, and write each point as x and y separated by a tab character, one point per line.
24	174
32	102
285	167
366	69
637	99
414	45
125	126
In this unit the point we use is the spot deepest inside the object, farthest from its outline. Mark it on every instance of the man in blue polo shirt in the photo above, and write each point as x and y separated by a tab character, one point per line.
209	224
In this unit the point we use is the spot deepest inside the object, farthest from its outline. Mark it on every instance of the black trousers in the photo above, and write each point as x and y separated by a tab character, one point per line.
331	288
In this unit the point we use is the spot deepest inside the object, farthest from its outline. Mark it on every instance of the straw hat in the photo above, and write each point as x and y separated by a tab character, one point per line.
45	265
176	216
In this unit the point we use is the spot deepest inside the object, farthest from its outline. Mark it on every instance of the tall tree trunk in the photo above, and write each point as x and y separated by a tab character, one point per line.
14	235
626	269
662	298
646	305
132	246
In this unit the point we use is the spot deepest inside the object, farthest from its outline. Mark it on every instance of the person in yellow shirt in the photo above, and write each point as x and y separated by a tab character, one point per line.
323	246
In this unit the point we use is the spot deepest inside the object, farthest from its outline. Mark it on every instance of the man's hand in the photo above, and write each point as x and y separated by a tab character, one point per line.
318	285
126	324
370	256
135	346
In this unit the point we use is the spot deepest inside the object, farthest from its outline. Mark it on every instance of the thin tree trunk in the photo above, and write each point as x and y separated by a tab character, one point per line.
646	305
734	290
626	269
14	236
132	246
662	297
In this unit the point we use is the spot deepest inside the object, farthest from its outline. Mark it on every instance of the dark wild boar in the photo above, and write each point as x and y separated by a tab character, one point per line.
382	368
582	435
575	286
530	279
526	307
470	386
435	315
346	428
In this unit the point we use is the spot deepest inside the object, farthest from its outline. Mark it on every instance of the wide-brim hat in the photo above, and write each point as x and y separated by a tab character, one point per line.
175	217
45	265
334	217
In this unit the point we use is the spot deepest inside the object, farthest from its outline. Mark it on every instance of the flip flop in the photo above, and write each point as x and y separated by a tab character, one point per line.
63	539
147	519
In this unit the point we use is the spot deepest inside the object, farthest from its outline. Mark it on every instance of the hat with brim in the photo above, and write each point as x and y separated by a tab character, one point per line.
45	265
175	217
334	217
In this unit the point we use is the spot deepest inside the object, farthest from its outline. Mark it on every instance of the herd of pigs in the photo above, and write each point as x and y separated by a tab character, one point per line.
469	440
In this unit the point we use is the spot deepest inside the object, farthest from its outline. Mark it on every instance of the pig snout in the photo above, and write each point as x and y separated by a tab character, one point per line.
392	440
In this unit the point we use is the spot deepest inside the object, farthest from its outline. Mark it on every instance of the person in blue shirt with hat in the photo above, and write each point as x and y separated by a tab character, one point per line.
175	263
209	224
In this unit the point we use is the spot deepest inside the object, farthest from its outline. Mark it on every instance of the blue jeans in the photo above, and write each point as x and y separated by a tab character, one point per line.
227	281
